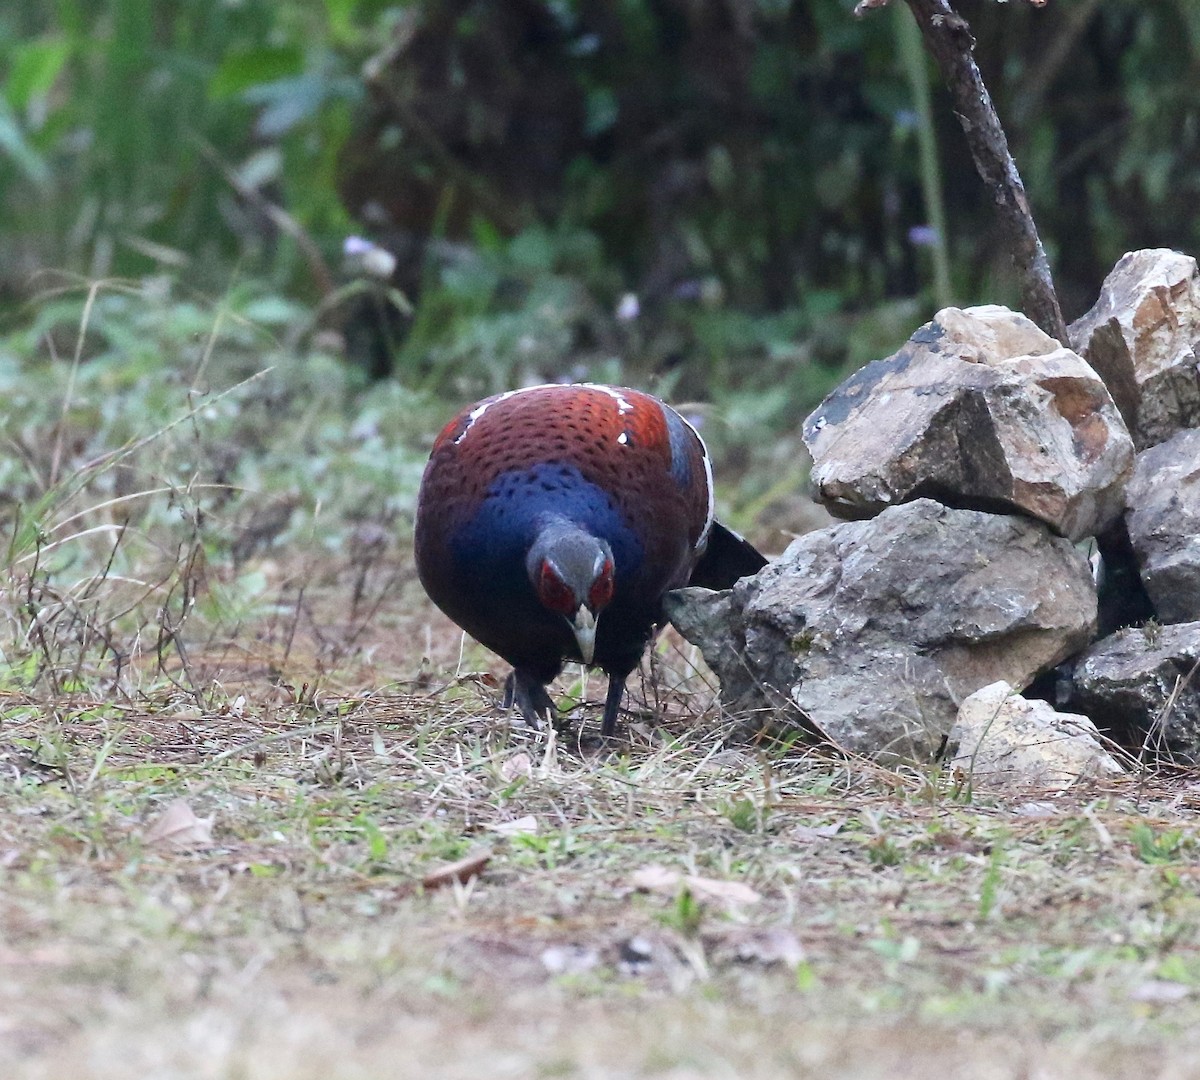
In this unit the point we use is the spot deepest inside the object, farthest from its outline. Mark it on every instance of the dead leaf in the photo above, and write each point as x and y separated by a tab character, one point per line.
727	892
655	878
648	732
178	826
522	826
463	870
1036	810
730	760
816	832
1160	992
661	879
517	765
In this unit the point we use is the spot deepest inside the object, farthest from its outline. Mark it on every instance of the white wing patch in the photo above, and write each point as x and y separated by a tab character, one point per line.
483	407
702	542
623	404
613	392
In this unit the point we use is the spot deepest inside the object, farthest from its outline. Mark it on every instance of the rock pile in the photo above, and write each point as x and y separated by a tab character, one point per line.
980	460
980	409
874	631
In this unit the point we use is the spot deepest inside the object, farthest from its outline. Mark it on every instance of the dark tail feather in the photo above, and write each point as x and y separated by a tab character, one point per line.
728	558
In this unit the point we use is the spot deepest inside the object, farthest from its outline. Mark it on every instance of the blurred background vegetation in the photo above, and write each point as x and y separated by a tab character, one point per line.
728	201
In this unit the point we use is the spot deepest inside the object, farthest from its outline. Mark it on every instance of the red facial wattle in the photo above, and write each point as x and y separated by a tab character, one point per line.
554	594
601	591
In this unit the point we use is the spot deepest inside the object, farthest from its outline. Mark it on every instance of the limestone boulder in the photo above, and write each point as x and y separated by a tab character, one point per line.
873	632
1163	519
1141	338
980	409
1142	686
1000	740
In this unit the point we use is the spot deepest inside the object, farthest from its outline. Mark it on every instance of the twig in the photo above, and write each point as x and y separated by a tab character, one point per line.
61	427
280	218
1157	731
948	38
279	736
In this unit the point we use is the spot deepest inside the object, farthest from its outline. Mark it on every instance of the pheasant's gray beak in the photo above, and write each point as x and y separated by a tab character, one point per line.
584	626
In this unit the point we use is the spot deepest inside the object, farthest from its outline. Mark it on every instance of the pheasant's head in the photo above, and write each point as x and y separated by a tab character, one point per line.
572	574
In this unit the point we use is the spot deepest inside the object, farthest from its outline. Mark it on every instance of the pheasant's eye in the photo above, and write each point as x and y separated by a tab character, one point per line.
554	593
601	591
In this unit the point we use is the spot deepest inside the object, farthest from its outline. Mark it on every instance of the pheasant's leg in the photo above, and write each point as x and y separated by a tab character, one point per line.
612	705
528	694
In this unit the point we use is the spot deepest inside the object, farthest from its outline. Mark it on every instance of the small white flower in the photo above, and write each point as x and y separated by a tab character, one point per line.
369	258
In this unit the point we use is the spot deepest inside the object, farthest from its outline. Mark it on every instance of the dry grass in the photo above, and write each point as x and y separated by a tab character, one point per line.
343	754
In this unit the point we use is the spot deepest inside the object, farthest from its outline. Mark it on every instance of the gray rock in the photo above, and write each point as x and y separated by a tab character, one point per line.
873	632
1142	686
980	409
1163	518
1141	338
1001	740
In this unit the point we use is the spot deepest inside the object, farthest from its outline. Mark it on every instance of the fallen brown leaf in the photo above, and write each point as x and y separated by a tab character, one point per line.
462	870
179	826
1160	992
655	878
728	892
517	765
816	832
522	826
661	879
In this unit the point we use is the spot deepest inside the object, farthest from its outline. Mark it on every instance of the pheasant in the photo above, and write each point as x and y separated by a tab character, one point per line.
553	519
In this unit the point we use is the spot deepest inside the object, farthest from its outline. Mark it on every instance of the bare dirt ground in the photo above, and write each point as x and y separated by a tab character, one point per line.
235	874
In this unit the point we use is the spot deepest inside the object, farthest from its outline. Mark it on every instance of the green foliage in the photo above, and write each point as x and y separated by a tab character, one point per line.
506	312
182	387
990	888
761	208
788	170
376	838
120	120
182	440
743	815
883	851
686	914
1157	847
